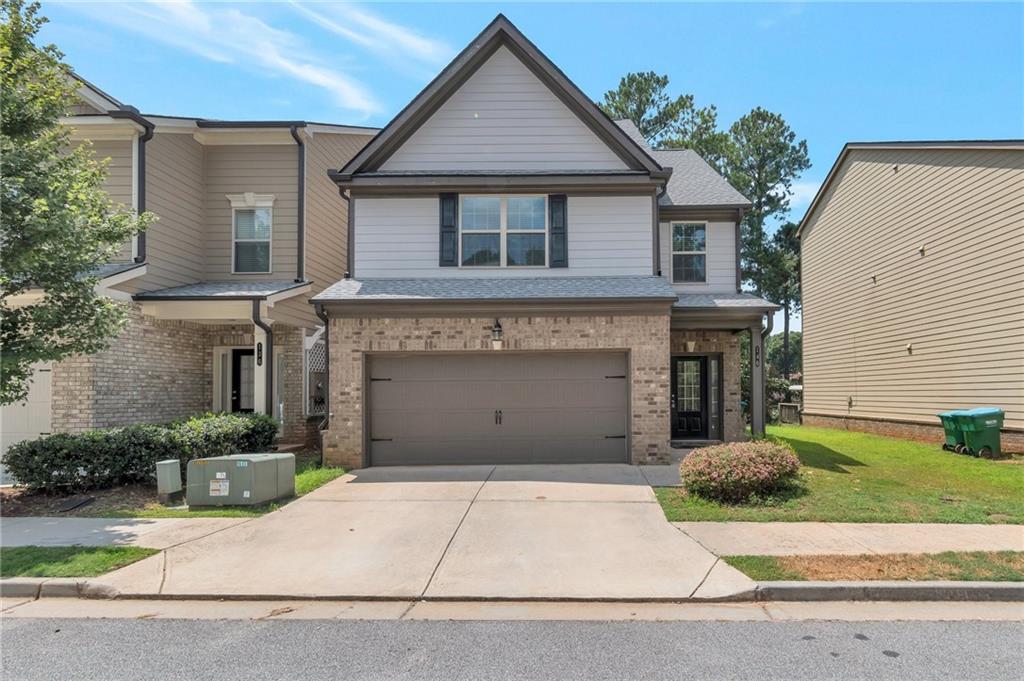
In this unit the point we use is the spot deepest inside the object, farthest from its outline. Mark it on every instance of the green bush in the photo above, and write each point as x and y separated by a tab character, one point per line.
735	472
117	456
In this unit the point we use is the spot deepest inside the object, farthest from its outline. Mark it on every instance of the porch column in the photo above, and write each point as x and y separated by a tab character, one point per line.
263	364
757	396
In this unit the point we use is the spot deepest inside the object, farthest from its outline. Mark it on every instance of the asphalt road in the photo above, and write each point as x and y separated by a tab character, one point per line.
318	649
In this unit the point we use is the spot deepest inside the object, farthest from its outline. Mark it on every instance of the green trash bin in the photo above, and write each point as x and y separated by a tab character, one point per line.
954	436
981	430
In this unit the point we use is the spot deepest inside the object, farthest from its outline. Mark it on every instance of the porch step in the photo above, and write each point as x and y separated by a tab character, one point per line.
689	444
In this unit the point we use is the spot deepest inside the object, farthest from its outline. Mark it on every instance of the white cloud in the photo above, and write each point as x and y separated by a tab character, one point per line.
803	194
398	44
231	36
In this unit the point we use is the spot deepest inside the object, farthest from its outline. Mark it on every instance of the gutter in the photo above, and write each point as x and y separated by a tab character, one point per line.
739	250
140	206
300	270
767	331
268	356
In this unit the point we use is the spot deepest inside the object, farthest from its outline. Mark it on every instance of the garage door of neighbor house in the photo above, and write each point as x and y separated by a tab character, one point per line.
498	407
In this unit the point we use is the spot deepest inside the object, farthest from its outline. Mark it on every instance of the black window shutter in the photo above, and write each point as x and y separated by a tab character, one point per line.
449	234
558	237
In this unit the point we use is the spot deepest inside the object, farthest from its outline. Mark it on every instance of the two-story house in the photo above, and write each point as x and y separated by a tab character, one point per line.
530	282
249	226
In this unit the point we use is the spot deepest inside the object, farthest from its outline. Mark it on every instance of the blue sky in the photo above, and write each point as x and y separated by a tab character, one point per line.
836	72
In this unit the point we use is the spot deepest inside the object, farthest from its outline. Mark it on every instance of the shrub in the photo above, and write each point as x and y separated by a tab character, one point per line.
117	456
735	472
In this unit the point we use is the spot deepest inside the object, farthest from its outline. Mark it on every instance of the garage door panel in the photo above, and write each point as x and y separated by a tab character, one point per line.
555	407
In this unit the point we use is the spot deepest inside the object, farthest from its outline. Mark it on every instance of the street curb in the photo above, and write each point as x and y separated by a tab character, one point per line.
890	591
55	587
21	587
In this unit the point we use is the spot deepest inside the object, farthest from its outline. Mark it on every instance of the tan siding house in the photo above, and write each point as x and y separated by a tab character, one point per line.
913	286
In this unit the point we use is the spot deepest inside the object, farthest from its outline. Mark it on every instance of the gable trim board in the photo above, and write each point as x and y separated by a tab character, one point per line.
500	32
925	144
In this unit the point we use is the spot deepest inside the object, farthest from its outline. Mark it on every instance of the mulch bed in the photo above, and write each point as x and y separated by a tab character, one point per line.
17	502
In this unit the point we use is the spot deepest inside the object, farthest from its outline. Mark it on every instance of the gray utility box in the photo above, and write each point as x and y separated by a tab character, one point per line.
240	479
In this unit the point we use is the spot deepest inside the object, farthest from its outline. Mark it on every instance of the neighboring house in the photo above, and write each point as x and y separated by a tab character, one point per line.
530	282
913	287
250	227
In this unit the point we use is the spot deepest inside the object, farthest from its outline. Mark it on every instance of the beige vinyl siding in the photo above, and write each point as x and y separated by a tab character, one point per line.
120	178
261	169
398	237
720	260
960	305
174	193
326	222
503	118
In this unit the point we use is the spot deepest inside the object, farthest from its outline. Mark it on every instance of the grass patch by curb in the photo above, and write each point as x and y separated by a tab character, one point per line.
67	561
972	566
858	477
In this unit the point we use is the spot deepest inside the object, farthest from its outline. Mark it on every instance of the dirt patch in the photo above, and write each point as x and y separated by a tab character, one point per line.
17	502
979	565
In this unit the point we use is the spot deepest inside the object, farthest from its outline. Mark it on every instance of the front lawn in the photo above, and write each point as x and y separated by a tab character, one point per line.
856	477
67	561
991	566
140	501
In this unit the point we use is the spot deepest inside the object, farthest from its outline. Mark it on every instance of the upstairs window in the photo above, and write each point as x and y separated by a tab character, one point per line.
252	230
689	252
503	231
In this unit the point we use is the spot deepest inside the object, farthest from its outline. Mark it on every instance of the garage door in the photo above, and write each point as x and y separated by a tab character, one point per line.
29	419
497	408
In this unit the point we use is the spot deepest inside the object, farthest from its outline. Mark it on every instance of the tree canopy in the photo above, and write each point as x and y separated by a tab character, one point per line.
58	224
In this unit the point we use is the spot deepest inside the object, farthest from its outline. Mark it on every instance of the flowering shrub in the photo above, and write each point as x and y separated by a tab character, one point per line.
735	472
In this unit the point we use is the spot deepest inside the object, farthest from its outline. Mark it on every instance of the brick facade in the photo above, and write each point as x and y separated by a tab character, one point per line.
727	344
1012	441
160	370
645	337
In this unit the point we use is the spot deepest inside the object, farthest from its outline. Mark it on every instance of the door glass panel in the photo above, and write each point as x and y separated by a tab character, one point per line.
688	382
713	397
246	381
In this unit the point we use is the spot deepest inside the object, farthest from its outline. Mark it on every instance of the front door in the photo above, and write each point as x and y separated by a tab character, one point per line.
690	398
243	380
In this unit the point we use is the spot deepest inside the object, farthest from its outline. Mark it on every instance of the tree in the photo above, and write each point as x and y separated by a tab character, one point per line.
781	281
57	223
641	98
764	159
697	129
773	353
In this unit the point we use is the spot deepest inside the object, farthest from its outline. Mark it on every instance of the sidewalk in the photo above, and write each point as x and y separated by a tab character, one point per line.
149	533
793	539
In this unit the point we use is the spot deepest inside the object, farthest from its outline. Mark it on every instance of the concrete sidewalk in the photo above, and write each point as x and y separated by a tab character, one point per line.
793	539
151	533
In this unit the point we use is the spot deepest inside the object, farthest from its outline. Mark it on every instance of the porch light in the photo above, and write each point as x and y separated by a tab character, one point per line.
497	335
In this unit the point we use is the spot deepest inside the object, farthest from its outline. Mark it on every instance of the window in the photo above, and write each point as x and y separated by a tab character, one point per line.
689	252
503	231
252	229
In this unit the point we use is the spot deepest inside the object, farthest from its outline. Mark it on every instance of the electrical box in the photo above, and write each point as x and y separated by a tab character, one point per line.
240	479
168	480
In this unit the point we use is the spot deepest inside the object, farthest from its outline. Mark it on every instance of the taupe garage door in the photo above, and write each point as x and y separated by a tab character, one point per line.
492	408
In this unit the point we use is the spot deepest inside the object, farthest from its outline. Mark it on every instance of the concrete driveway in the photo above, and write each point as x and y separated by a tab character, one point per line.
451	532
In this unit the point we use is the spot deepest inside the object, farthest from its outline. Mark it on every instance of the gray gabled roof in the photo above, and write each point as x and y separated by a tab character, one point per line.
499	32
222	290
113	268
723	301
693	181
453	289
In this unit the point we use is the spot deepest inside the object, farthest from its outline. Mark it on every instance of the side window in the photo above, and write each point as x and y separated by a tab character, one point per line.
252	227
689	252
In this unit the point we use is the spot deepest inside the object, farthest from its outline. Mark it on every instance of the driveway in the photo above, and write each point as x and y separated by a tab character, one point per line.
451	532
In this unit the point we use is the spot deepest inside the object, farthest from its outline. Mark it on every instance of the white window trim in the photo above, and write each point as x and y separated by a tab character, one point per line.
503	231
249	201
673	252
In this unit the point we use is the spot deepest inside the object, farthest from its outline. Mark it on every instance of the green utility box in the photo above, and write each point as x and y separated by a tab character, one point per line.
240	479
981	430
954	436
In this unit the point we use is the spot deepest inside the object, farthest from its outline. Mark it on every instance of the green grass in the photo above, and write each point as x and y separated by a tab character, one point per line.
67	561
992	566
857	477
308	477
